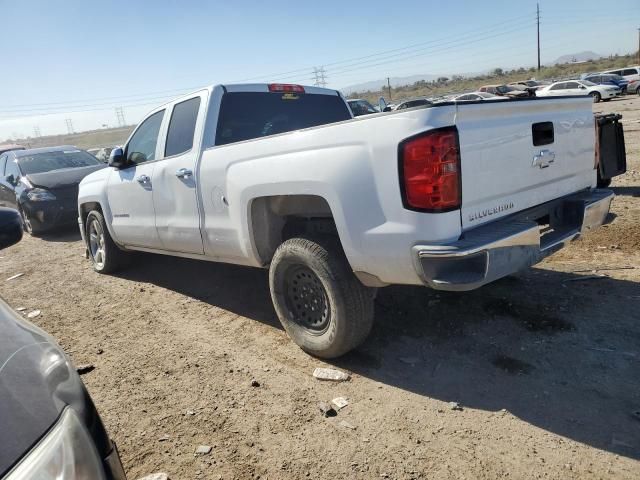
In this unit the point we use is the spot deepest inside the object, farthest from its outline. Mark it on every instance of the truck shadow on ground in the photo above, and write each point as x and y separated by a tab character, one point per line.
61	234
628	191
554	349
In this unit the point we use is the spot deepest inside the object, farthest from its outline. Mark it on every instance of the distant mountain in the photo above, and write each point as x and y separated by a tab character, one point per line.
395	82
577	57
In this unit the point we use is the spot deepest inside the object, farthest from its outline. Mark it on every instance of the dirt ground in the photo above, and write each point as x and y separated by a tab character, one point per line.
545	364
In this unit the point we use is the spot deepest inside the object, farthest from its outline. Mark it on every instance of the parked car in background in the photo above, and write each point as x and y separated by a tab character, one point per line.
49	426
42	184
101	154
628	73
608	79
411	103
634	87
505	91
580	87
451	196
360	106
10	146
531	84
476	97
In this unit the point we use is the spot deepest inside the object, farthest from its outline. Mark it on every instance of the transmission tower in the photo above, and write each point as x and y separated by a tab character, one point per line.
69	123
319	77
120	116
36	131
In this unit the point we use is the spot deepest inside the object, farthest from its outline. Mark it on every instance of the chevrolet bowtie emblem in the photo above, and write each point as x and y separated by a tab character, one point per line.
543	159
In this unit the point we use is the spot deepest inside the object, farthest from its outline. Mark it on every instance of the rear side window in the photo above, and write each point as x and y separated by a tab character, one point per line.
248	115
558	86
630	71
182	127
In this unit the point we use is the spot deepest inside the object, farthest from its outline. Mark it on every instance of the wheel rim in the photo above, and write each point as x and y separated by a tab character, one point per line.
27	223
307	299
96	243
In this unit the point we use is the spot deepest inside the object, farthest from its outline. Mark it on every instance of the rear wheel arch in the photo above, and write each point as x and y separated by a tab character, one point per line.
275	219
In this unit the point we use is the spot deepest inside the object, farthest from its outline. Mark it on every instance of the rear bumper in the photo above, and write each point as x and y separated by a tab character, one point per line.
505	246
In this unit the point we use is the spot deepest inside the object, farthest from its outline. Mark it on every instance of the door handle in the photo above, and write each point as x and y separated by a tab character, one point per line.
143	179
184	173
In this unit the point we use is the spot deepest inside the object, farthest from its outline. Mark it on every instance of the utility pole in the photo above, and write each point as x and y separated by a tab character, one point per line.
639	46
389	87
319	77
69	123
120	116
538	23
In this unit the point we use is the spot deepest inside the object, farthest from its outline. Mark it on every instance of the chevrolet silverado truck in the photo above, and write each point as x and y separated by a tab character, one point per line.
451	196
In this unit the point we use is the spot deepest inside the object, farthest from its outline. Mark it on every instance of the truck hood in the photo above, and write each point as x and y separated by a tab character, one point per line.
61	178
37	382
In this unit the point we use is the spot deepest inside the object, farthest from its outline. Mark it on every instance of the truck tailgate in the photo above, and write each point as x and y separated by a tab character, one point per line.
519	154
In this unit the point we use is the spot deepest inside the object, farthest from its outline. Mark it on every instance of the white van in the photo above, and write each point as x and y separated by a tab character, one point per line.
629	73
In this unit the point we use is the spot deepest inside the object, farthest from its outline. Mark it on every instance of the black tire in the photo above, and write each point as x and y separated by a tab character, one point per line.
603	182
596	97
104	254
638	91
28	226
335	311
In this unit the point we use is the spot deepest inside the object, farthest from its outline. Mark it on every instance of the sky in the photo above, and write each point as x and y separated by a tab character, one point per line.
80	60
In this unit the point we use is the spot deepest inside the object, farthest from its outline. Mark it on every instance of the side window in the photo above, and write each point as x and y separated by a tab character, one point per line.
630	71
142	146
12	169
182	127
3	162
558	86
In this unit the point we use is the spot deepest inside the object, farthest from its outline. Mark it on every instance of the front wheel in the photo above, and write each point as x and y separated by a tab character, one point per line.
28	225
595	96
103	252
321	304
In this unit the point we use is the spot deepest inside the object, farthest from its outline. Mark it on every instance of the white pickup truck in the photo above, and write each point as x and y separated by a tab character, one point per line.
451	196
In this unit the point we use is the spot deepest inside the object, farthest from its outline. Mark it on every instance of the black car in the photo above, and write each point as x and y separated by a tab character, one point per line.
42	184
49	427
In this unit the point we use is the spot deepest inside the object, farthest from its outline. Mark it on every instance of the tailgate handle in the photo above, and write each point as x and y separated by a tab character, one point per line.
543	159
542	133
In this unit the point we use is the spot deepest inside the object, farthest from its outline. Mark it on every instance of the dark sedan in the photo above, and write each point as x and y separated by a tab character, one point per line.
49	427
42	184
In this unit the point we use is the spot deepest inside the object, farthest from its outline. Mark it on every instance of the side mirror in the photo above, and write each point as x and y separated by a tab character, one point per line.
382	104
117	158
386	109
582	87
10	227
10	179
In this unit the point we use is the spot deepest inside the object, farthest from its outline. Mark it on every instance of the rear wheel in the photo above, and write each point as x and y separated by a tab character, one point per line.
595	96
321	304
103	252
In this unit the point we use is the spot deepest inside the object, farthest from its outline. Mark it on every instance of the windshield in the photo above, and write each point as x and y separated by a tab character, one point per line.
50	161
504	89
248	115
588	83
361	107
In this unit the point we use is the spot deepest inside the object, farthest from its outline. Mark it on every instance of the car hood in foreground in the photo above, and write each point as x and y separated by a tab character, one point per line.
61	178
36	383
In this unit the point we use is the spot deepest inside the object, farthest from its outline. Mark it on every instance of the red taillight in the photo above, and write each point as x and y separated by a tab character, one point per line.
285	87
430	171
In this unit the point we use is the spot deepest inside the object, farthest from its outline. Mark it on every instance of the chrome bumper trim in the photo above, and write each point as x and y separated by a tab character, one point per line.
503	247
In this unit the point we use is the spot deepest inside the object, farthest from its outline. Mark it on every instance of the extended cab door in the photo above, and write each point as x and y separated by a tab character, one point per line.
175	177
130	189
